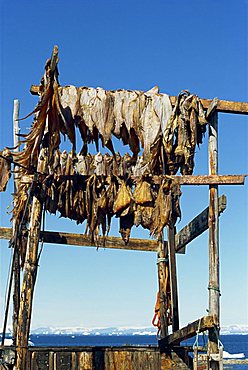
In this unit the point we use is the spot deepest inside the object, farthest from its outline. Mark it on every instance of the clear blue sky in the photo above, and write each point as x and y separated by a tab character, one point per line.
195	45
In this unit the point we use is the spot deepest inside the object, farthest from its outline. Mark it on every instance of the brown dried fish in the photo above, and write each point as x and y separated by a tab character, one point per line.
162	209
126	224
142	193
123	199
5	168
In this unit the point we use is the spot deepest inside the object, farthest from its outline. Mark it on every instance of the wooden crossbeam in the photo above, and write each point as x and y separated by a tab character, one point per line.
189	331
195	228
183	180
224	106
210	179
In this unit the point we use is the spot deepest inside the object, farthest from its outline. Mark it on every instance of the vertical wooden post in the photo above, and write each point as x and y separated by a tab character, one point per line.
162	283
29	276
15	266
173	278
214	286
31	260
16	255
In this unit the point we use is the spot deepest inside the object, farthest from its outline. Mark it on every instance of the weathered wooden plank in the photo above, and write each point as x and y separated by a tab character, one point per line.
74	363
57	237
29	276
85	361
183	180
173	278
210	179
16	254
197	226
162	285
224	106
189	331
51	360
110	358
108	242
214	278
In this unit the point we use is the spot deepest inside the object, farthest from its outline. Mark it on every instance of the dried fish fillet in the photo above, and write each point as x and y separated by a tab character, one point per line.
5	168
123	199
142	193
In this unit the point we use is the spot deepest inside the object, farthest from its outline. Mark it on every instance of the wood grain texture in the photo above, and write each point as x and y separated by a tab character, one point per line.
162	285
183	180
173	277
214	278
197	226
189	331
106	358
29	278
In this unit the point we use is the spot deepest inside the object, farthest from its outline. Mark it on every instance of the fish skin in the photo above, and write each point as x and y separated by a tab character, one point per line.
142	193
123	199
5	168
162	210
126	224
87	97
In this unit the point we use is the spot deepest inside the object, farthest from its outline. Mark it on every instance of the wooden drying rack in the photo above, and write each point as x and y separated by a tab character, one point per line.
176	243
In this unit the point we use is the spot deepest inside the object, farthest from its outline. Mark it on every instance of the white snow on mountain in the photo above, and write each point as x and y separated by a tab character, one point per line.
232	329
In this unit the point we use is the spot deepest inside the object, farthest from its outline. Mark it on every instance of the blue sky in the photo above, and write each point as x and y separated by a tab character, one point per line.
196	45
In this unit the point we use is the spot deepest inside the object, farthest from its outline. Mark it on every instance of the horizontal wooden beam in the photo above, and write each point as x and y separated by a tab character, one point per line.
189	331
82	240
196	227
224	106
183	180
210	179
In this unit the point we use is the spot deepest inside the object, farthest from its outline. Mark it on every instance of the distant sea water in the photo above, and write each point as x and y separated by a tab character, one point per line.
232	343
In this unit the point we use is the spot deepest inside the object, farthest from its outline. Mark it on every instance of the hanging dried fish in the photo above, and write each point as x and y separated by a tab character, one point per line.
123	199
144	200
98	164
163	208
5	168
142	193
126	224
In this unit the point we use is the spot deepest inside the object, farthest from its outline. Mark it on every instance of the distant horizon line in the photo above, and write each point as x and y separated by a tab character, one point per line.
119	327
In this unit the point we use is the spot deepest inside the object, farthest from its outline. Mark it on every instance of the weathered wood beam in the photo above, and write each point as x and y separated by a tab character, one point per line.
183	180
16	254
210	179
112	242
214	278
163	276
29	276
173	277
224	106
189	331
32	257
197	226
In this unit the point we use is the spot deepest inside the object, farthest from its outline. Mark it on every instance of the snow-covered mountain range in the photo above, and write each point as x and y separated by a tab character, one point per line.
232	329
